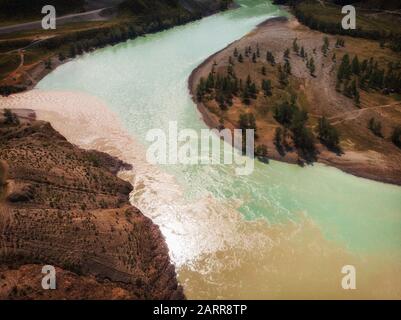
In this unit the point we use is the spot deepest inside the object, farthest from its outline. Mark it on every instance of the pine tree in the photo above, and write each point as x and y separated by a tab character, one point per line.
364	65
287	67
235	52
246	99
248	81
283	76
355	66
340	43
201	89
302	54
328	134
325	46
284	113
247	121
278	138
287	54
230	70
312	67
295	46
303	137
73	51
79	48
357	98
61	56
210	82
267	87
270	58
354	89
326	42
362	82
344	71
48	64
10	118
261	151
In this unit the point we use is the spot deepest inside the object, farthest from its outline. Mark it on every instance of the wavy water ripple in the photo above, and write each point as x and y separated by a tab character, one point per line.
283	231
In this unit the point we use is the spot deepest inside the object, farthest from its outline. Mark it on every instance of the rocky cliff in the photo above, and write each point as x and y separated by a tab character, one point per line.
65	207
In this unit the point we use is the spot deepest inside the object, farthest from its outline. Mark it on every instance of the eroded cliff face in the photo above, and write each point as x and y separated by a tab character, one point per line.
65	207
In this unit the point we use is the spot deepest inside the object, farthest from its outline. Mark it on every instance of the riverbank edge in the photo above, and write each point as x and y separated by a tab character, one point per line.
354	168
41	68
12	198
40	71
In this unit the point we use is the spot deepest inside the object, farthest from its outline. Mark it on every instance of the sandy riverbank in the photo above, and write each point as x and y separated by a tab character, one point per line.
211	248
55	188
379	160
215	249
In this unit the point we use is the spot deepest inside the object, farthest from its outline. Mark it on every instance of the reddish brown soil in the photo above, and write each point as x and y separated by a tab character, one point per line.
364	154
65	207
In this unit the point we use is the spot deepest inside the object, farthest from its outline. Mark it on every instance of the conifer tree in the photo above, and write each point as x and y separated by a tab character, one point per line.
344	71
295	46
355	66
236	52
287	54
287	67
283	76
278	139
247	121
270	58
328	134
302	53
312	67
73	51
267	87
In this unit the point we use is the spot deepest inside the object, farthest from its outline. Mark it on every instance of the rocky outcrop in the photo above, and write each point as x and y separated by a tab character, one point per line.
65	207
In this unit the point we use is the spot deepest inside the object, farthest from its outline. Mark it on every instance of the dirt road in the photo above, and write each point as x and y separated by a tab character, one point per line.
94	15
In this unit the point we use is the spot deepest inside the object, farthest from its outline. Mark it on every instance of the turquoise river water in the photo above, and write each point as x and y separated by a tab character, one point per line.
283	231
